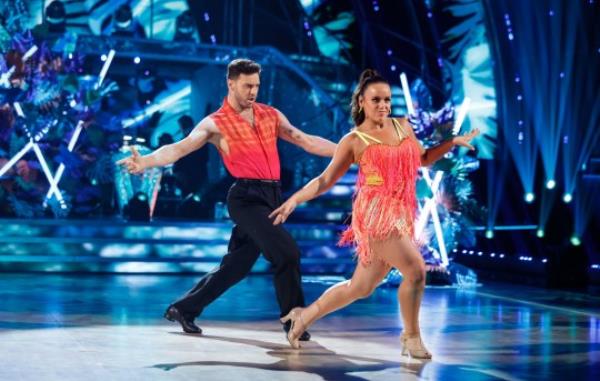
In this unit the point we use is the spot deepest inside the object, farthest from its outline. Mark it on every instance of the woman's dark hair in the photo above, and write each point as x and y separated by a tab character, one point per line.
242	66
367	77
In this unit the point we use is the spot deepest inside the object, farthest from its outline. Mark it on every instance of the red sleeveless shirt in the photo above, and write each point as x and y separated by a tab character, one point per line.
252	150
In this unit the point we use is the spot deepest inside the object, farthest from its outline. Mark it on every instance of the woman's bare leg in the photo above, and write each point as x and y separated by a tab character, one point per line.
402	254
364	280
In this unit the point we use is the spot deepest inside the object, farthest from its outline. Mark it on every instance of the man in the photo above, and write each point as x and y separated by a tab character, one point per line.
245	133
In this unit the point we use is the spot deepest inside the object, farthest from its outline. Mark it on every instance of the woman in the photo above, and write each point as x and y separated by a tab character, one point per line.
383	212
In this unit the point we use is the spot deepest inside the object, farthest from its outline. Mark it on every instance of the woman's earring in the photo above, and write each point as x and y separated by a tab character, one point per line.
360	109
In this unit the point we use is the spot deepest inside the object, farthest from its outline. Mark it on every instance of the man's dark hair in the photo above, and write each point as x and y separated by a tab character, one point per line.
242	66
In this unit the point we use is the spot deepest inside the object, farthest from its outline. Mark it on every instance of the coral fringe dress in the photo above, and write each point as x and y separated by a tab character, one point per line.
385	200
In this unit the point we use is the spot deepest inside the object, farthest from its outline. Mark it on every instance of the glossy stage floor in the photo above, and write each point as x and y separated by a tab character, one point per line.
97	327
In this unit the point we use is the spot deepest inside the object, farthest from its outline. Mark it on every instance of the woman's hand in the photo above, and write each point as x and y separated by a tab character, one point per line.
282	213
133	163
464	140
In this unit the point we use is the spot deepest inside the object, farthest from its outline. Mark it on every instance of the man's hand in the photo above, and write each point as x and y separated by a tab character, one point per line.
133	163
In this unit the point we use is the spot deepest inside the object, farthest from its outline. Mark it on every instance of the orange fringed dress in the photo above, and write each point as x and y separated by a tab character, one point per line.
385	200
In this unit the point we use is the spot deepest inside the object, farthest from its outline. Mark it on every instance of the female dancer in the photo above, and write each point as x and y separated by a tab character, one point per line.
389	155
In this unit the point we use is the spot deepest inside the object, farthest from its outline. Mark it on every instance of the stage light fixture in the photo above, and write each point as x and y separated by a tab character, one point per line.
529	197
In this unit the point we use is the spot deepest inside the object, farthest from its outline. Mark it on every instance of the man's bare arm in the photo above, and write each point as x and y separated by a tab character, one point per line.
170	153
310	143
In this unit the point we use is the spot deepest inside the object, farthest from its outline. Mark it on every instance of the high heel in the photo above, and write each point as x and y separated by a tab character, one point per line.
295	316
413	347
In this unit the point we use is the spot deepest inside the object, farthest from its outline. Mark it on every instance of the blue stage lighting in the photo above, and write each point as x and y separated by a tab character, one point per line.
550	184
575	241
540	233
567	198
489	234
529	197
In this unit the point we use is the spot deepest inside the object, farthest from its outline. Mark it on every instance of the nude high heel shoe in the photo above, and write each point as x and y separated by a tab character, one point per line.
414	347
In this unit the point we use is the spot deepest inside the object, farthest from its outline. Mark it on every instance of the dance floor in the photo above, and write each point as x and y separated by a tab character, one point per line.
101	327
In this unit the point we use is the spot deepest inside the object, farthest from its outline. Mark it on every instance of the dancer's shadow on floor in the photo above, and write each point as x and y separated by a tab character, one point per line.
312	358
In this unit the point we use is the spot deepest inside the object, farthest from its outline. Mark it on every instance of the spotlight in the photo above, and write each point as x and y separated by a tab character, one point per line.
529	197
567	198
540	233
103	57
550	184
137	60
191	208
124	25
489	234
138	208
185	27
56	17
575	241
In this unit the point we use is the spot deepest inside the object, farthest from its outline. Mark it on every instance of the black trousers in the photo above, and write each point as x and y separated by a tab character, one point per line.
250	202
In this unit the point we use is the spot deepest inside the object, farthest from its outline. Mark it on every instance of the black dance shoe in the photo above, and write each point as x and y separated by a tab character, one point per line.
305	335
188	326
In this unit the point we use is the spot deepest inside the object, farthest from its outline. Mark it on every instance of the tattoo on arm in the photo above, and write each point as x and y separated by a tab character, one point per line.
293	133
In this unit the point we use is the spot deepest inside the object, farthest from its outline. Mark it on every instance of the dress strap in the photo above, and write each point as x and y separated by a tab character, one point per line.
399	129
365	137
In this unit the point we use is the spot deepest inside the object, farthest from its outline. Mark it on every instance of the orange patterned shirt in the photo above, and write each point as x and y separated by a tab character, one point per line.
252	150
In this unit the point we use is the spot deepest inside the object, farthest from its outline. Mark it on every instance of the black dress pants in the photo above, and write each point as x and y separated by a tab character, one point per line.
249	203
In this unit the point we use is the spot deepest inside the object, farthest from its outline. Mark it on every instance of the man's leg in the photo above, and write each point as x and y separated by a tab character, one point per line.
235	265
276	244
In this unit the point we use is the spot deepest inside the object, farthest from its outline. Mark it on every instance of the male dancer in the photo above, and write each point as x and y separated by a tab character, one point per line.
245	133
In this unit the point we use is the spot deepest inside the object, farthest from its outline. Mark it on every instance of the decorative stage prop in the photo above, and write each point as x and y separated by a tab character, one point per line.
440	222
136	190
47	104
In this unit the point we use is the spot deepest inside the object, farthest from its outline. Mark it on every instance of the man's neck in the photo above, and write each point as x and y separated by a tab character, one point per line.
235	105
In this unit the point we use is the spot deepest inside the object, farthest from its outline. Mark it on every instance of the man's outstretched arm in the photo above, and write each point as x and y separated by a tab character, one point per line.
310	143
170	153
